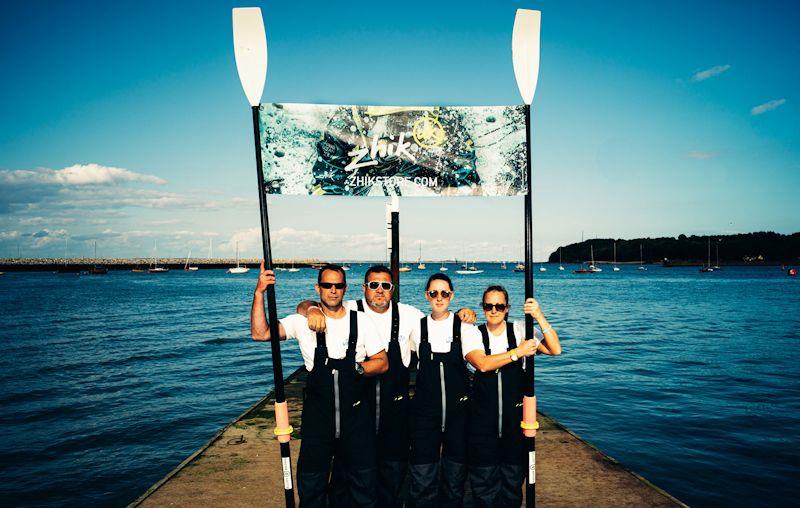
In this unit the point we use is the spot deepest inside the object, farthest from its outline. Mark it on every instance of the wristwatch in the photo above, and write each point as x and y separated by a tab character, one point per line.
514	356
359	369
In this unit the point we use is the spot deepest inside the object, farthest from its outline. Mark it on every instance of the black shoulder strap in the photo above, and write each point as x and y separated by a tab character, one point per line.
512	339
423	330
360	305
456	328
485	335
351	345
395	332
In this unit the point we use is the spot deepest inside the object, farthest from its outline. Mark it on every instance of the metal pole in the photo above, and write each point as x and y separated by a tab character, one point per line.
272	312
530	389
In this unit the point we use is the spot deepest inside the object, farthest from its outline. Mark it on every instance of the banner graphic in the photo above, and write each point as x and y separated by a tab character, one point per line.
321	149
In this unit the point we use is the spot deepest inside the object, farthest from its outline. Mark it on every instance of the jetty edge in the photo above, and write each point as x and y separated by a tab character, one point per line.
240	466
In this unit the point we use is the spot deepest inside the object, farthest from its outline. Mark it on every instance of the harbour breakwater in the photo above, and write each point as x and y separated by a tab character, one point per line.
82	264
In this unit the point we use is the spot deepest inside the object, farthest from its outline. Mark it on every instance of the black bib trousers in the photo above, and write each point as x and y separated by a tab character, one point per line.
496	443
336	423
389	402
439	424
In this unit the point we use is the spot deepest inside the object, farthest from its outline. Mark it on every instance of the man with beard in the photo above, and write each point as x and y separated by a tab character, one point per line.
335	422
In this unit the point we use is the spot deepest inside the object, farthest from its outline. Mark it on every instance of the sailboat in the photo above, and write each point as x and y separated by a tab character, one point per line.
519	268
67	269
641	259
405	268
542	268
560	266
238	268
716	266
443	268
469	270
98	269
186	267
156	268
616	268
503	266
707	268
591	268
421	265
292	268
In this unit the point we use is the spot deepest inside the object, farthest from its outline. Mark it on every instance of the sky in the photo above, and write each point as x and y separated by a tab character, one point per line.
124	123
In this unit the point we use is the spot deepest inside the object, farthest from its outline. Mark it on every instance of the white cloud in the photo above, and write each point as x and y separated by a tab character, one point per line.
9	235
767	106
710	73
701	155
40	221
78	174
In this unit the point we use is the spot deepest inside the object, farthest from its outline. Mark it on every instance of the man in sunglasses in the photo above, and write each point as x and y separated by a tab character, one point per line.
336	421
389	401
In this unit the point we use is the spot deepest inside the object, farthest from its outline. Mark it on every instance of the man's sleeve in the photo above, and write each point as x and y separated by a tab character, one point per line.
470	341
292	323
372	340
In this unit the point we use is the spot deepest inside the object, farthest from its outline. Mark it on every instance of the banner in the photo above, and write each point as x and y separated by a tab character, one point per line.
316	149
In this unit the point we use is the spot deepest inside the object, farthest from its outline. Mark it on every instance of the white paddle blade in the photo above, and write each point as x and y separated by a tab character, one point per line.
525	51
250	50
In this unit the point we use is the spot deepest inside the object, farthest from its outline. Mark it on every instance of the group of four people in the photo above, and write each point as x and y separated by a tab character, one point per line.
362	433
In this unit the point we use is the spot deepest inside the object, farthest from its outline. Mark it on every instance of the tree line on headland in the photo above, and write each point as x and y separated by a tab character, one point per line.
742	249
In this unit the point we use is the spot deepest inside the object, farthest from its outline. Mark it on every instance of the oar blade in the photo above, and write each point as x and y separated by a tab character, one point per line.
525	51
250	50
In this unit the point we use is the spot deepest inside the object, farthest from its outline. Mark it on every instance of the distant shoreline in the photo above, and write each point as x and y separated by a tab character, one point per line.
123	264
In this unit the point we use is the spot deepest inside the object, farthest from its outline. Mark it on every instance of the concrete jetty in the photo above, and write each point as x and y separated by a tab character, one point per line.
240	466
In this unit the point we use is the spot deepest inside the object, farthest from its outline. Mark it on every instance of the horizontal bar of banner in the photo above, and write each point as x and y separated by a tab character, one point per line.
323	149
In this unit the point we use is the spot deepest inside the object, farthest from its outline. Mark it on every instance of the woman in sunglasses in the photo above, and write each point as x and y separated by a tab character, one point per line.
440	407
496	444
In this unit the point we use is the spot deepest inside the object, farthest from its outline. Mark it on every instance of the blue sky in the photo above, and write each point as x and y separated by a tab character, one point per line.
124	122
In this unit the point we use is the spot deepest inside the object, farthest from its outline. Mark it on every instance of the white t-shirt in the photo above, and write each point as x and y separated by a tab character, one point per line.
409	317
337	337
498	343
440	334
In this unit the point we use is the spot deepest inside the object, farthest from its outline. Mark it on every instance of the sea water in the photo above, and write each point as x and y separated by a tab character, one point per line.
690	379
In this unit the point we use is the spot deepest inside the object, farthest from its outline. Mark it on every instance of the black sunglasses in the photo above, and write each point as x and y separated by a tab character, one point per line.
374	284
435	293
328	285
501	307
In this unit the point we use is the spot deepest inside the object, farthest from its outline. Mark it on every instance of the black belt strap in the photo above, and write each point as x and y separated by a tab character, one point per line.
351	345
512	339
353	339
485	335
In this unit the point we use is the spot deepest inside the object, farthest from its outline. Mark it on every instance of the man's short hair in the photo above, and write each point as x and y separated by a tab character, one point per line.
332	267
439	276
377	269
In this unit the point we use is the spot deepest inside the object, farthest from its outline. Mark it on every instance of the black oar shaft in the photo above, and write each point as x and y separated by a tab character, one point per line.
394	261
272	311
530	482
